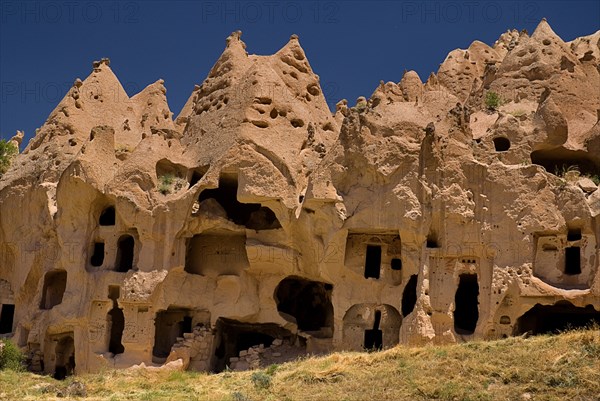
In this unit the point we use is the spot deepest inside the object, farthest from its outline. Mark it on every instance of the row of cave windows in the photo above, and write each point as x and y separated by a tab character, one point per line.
233	337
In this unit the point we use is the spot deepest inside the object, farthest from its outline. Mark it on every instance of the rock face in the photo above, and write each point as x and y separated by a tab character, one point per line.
257	226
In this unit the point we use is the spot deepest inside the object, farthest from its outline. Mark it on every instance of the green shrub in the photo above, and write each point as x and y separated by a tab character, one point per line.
11	356
169	183
261	380
7	151
492	100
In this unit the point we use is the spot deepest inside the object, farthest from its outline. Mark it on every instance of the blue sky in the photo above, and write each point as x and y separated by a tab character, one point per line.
352	45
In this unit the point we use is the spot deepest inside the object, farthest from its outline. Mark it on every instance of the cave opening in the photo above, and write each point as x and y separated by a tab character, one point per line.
306	303
466	304
168	325
574	234
374	337
7	315
64	358
251	215
559	161
55	284
396	264
572	260
108	216
233	336
116	322
432	240
98	254
552	319
125	252
501	144
409	296
373	261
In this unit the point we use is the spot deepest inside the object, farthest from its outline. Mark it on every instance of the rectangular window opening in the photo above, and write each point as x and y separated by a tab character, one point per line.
572	260
373	261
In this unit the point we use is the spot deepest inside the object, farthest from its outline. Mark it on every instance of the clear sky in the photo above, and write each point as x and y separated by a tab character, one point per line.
352	45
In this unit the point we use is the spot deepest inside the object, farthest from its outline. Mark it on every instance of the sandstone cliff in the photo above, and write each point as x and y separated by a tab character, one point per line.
256	226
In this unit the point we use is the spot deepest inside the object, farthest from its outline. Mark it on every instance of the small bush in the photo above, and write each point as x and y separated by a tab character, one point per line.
168	183
11	356
261	380
492	100
7	151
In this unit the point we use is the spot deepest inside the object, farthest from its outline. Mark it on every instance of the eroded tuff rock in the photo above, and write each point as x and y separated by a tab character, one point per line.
257	226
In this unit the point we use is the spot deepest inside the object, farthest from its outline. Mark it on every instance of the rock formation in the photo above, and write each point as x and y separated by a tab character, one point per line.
256	226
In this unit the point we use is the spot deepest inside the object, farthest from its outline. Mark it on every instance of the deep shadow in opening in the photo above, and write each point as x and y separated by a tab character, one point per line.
55	284
374	336
396	264
432	240
373	261
195	178
252	215
466	304
98	256
574	234
558	161
7	314
572	260
116	322
65	358
552	319
233	336
169	325
409	297
107	217
125	247
308	303
501	144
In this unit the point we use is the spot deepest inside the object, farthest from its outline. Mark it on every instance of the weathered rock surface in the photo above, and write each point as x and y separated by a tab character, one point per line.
257	226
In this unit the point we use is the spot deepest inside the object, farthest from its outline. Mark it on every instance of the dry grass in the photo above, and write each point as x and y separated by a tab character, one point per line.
552	368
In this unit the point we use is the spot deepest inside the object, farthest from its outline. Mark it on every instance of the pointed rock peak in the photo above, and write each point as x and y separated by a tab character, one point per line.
293	46
235	39
156	87
432	82
101	83
544	32
410	76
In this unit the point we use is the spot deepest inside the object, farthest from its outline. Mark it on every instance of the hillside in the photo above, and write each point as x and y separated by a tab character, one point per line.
550	368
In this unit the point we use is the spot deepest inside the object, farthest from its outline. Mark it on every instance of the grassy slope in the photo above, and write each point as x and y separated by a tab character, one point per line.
564	367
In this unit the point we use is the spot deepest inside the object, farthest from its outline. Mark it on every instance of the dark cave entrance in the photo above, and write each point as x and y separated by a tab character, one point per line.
374	337
308	303
251	215
572	260
559	161
7	315
466	304
409	296
65	358
552	319
373	261
233	336
501	144
55	284
98	254
108	217
125	249
116	322
169	325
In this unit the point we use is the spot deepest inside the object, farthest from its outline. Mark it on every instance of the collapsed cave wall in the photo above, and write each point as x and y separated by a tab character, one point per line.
257	219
